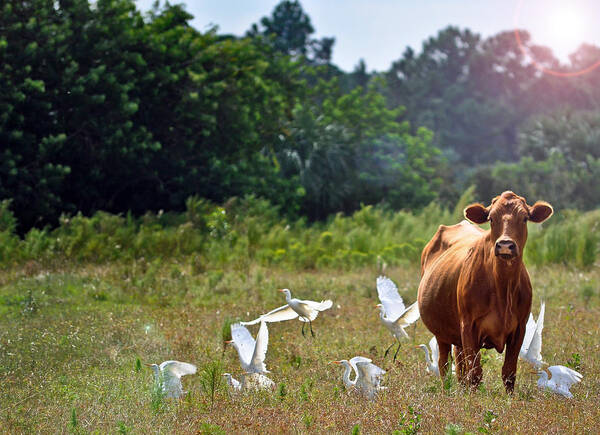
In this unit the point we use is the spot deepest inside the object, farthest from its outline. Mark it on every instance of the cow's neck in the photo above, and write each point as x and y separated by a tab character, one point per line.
507	276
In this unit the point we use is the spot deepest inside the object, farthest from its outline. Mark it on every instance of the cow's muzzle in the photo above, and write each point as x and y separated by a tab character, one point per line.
506	249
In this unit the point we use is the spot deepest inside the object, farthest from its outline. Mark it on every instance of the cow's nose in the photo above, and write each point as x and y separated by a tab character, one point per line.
506	248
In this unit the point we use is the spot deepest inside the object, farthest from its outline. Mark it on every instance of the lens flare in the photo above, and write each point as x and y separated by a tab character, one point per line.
567	23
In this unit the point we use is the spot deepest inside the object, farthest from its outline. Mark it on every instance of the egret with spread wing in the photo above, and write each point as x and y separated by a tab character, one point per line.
531	349
393	314
560	381
168	375
252	352
306	311
349	367
368	381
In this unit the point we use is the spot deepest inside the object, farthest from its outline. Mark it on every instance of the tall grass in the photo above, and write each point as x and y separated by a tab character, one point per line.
249	230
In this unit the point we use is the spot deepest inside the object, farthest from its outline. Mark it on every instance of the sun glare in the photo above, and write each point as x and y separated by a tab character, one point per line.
566	28
559	25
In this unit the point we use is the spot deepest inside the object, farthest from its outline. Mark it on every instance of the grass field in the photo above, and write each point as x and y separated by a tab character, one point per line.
70	338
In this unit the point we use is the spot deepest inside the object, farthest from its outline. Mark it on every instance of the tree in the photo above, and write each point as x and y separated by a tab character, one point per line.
289	30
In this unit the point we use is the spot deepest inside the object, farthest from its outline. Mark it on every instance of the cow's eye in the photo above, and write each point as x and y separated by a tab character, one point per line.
490	220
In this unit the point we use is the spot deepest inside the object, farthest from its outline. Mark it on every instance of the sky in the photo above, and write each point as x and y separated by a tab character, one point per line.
379	31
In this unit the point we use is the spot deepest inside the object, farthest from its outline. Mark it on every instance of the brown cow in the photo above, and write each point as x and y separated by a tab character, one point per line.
475	291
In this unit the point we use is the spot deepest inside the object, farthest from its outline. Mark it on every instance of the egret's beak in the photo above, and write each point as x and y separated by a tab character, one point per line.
280	290
378	306
228	341
335	362
148	365
417	347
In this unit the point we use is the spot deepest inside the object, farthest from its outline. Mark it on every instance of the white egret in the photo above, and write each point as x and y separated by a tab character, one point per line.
393	314
232	382
531	349
306	311
256	381
561	379
368	381
168	375
349	366
250	382
252	353
432	362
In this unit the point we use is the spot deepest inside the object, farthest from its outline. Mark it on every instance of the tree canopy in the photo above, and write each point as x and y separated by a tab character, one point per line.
105	108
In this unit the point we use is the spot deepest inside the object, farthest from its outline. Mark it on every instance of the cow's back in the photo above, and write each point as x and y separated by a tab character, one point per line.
447	236
441	264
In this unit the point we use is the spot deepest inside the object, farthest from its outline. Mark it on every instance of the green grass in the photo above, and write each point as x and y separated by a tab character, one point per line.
71	335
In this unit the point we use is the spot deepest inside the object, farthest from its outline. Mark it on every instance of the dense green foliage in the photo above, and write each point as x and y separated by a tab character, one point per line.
103	108
249	231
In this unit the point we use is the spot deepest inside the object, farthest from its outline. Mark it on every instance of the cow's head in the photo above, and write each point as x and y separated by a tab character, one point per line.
508	215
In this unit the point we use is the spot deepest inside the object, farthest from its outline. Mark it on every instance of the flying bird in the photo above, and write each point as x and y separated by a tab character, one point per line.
531	349
560	381
306	311
392	312
349	367
252	353
168	375
368	381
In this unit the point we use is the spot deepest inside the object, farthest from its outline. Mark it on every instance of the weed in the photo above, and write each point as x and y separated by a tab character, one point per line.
282	391
296	361
453	429
122	428
356	429
211	429
73	422
157	396
575	361
138	365
211	379
303	393
409	423
489	418
30	305
308	420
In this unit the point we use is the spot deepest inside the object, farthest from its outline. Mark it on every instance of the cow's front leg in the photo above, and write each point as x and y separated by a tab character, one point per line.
509	369
472	364
443	358
461	370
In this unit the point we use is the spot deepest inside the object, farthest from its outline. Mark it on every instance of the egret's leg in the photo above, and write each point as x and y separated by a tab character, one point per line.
397	350
388	349
303	323
311	331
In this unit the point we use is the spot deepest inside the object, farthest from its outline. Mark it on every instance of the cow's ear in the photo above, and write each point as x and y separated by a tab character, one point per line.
540	211
477	213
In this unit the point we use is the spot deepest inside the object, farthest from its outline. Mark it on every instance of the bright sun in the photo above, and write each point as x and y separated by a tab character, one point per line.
566	27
